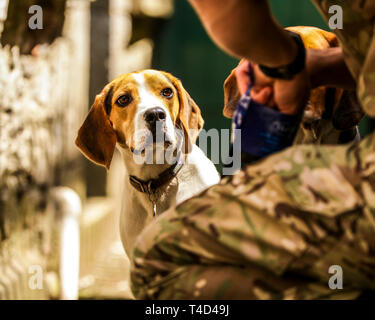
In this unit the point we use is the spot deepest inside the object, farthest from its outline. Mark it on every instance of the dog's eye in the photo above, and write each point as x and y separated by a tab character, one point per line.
167	93
124	100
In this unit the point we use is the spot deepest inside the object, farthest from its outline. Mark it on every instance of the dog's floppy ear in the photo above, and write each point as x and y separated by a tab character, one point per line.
96	138
330	37
189	114
341	106
231	95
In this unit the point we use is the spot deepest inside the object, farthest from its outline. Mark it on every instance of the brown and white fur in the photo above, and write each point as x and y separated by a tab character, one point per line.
118	118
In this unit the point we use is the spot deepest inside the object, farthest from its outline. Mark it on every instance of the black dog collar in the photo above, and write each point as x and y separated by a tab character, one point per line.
150	186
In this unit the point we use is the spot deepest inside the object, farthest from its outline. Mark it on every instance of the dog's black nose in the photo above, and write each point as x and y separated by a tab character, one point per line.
153	115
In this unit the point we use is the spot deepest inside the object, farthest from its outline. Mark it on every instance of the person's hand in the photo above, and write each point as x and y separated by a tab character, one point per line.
326	67
314	60
288	96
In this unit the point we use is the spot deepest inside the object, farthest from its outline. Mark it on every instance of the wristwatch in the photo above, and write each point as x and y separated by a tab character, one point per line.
289	71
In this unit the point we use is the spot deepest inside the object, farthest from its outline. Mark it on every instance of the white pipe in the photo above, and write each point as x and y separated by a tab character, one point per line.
69	208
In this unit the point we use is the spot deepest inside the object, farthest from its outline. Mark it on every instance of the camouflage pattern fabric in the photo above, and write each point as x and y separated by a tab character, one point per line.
273	230
358	43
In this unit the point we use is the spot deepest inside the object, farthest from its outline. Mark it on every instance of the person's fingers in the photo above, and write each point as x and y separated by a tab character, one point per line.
242	76
262	95
289	97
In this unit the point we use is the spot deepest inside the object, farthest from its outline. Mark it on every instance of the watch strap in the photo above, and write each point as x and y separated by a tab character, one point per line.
287	72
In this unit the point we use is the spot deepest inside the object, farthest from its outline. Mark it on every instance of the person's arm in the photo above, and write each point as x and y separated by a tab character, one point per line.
246	29
327	68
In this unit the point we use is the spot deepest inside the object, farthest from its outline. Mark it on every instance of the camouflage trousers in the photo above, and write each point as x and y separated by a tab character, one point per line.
272	231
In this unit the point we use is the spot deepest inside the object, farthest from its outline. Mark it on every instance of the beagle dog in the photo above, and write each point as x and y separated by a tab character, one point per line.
148	113
331	115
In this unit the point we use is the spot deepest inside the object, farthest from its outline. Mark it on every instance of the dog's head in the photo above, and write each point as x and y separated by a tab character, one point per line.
133	110
329	110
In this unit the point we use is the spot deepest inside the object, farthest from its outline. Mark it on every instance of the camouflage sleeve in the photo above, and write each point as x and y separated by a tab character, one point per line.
357	39
269	232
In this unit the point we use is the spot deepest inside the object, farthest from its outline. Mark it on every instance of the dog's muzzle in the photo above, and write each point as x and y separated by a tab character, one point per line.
155	120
